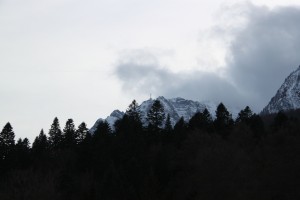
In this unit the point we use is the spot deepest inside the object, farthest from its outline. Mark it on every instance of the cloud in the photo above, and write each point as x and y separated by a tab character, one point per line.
263	49
142	73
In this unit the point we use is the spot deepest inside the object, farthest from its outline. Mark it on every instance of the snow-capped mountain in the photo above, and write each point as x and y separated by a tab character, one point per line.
114	116
288	95
175	107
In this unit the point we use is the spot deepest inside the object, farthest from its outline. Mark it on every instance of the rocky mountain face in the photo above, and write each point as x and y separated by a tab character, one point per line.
175	107
288	95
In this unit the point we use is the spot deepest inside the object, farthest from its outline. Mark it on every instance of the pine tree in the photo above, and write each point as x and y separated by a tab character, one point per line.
223	121
180	130
55	134
156	115
133	111
201	120
103	130
168	125
7	136
22	153
40	144
180	126
7	141
244	116
69	134
81	132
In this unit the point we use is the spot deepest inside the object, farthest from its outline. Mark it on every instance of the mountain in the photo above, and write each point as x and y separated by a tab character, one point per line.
288	95
114	116
175	107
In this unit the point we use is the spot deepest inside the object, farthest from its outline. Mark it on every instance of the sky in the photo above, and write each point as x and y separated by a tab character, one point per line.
84	59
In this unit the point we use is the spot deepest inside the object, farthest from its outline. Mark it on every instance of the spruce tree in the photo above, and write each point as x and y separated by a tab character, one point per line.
40	144
168	125
7	136
244	116
55	134
7	141
134	117
81	132
223	121
201	120
69	134
133	111
180	126
22	153
103	130
156	115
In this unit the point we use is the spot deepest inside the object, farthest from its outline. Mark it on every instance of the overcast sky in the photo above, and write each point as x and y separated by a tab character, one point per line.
83	59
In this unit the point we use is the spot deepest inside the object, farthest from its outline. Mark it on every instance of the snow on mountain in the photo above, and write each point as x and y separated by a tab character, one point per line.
288	95
111	119
175	107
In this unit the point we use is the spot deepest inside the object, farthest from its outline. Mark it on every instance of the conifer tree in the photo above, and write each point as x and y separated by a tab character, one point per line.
7	141
201	120
156	115
134	123
223	120
168	126
103	130
81	132
40	144
22	153
244	115
55	134
133	111
180	126
69	134
7	136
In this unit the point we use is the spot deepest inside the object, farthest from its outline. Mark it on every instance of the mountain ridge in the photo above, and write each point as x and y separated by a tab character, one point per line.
287	96
176	107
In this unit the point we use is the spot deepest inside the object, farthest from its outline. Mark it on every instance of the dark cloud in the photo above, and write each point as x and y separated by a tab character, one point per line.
152	78
260	55
264	52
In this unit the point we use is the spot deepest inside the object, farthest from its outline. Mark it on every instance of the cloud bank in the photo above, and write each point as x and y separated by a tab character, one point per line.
261	53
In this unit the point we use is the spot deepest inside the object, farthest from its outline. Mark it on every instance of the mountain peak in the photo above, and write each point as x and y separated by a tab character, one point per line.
288	95
176	107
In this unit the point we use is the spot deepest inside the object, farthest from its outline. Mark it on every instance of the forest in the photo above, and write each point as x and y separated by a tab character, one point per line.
209	158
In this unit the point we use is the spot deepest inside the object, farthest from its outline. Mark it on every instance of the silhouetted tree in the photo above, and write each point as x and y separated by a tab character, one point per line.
201	120
168	125
103	130
244	116
81	132
69	134
223	121
133	111
180	126
22	153
40	144
156	115
134	123
7	136
7	141
55	134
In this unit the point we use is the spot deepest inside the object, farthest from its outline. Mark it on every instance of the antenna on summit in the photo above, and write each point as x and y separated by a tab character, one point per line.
150	97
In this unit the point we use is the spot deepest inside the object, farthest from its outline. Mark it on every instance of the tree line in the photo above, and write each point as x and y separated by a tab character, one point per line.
250	157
